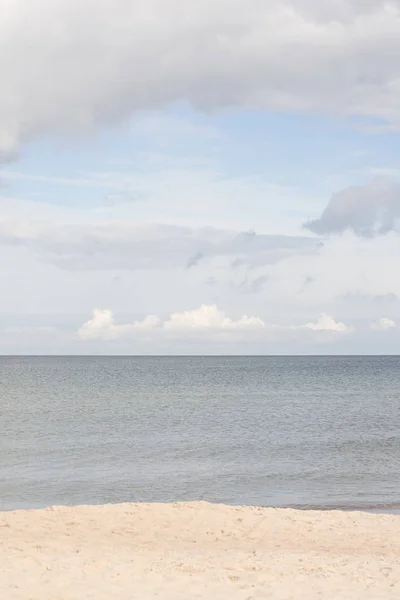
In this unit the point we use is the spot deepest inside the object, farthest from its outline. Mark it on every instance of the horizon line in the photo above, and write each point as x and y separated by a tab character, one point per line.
199	356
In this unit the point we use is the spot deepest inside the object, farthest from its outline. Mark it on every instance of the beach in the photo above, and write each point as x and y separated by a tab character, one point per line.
197	550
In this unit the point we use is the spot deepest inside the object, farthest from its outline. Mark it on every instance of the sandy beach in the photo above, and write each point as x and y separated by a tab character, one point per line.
197	550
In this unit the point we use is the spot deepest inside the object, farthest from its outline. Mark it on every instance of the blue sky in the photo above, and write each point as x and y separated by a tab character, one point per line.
306	152
199	192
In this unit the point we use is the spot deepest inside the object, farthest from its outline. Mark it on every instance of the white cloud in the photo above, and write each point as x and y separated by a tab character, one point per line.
102	326
383	324
71	65
327	323
209	317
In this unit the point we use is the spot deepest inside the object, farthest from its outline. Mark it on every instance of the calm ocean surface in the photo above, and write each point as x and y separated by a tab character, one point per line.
304	431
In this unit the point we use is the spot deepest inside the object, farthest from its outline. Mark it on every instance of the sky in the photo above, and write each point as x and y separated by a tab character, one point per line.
209	177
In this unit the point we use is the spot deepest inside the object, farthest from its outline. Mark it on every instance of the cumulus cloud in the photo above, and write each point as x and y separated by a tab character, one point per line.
127	245
70	65
102	326
209	317
327	323
372	209
206	318
323	323
383	324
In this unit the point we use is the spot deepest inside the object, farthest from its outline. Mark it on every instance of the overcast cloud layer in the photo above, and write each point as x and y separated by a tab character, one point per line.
70	66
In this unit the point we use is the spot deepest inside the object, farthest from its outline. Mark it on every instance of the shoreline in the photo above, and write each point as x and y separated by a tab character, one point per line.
198	550
384	509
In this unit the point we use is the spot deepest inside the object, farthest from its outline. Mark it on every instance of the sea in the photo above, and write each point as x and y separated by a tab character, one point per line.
304	432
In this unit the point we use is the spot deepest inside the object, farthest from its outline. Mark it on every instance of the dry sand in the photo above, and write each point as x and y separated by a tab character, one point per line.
197	550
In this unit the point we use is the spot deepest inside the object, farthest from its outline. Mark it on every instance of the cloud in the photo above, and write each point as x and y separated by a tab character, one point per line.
70	66
361	298
115	199
206	318
306	283
102	326
127	245
209	317
383	324
198	322
251	285
91	181
372	209
194	260
327	323
382	298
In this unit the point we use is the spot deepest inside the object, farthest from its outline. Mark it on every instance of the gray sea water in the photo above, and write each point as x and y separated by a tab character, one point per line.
270	431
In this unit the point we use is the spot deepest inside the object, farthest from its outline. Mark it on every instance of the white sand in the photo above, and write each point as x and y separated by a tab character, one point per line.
197	550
